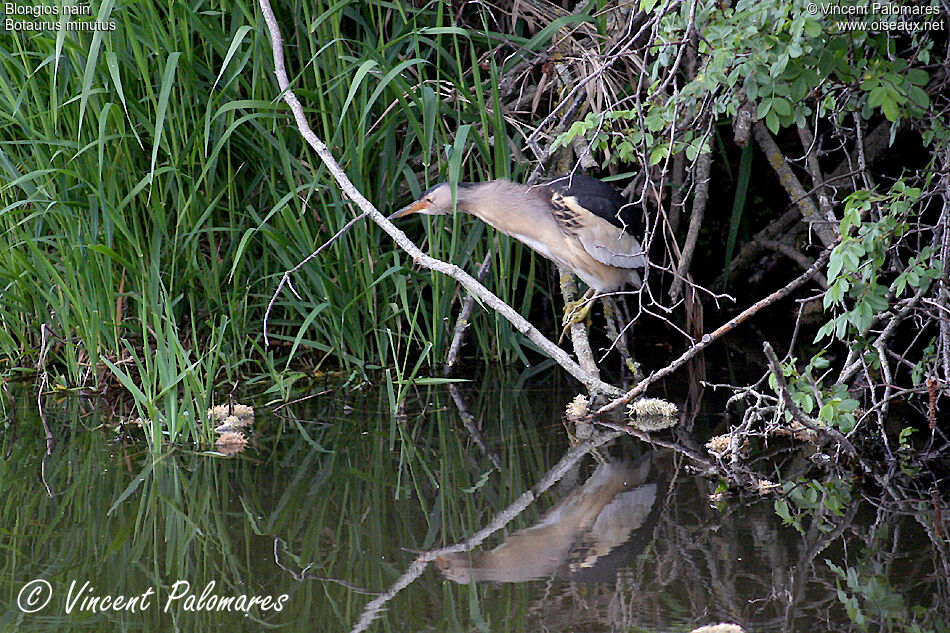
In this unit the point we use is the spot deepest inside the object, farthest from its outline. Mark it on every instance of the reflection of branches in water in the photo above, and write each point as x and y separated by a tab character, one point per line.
739	564
503	518
468	421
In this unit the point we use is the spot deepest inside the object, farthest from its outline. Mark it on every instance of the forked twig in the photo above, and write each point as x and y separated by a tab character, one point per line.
285	279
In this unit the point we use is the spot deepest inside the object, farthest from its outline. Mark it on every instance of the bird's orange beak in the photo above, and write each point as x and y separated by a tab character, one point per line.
415	207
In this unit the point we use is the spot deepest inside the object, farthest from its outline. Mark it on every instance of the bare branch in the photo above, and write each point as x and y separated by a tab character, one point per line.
707	339
814	170
579	337
464	320
700	198
467	281
796	256
825	231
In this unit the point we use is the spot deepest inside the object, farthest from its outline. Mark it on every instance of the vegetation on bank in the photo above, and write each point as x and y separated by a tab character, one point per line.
155	192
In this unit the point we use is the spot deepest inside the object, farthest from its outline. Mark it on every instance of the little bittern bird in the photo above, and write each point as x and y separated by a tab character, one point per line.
574	220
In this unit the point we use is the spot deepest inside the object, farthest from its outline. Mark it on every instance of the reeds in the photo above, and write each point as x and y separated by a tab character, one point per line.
153	192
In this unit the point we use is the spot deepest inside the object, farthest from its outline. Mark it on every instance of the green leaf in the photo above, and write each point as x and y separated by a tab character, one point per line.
900	284
862	316
917	76
891	110
357	82
835	262
235	43
692	150
481	482
168	81
782	510
877	96
144	474
812	28
918	96
807	403
782	106
851	257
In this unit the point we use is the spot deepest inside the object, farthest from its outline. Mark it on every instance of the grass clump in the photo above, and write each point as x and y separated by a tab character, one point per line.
153	192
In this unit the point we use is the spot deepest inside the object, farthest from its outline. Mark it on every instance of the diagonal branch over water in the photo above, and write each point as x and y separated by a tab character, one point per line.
721	331
593	384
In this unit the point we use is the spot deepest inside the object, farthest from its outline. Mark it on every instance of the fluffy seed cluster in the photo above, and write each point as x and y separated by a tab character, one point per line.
576	408
231	442
231	418
718	446
652	414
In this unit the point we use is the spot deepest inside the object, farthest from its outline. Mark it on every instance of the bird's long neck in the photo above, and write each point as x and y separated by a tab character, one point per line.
516	210
494	199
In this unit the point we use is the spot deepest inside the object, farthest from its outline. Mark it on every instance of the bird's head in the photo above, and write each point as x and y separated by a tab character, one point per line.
434	201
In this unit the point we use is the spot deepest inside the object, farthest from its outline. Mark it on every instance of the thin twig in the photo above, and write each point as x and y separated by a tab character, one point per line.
285	279
464	320
707	339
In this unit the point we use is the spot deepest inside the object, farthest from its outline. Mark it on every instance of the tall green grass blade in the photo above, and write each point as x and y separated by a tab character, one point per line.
168	82
738	202
92	60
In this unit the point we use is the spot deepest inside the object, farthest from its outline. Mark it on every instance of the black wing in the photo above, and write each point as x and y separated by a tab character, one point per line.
600	199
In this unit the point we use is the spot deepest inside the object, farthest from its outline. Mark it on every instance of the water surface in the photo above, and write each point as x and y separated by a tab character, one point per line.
335	497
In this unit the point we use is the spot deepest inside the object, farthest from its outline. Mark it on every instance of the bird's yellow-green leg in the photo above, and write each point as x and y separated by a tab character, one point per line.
577	311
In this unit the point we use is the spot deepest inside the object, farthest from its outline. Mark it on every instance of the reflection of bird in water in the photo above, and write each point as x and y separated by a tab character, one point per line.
581	529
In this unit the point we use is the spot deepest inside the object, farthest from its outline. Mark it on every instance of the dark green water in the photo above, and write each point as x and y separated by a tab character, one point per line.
334	497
